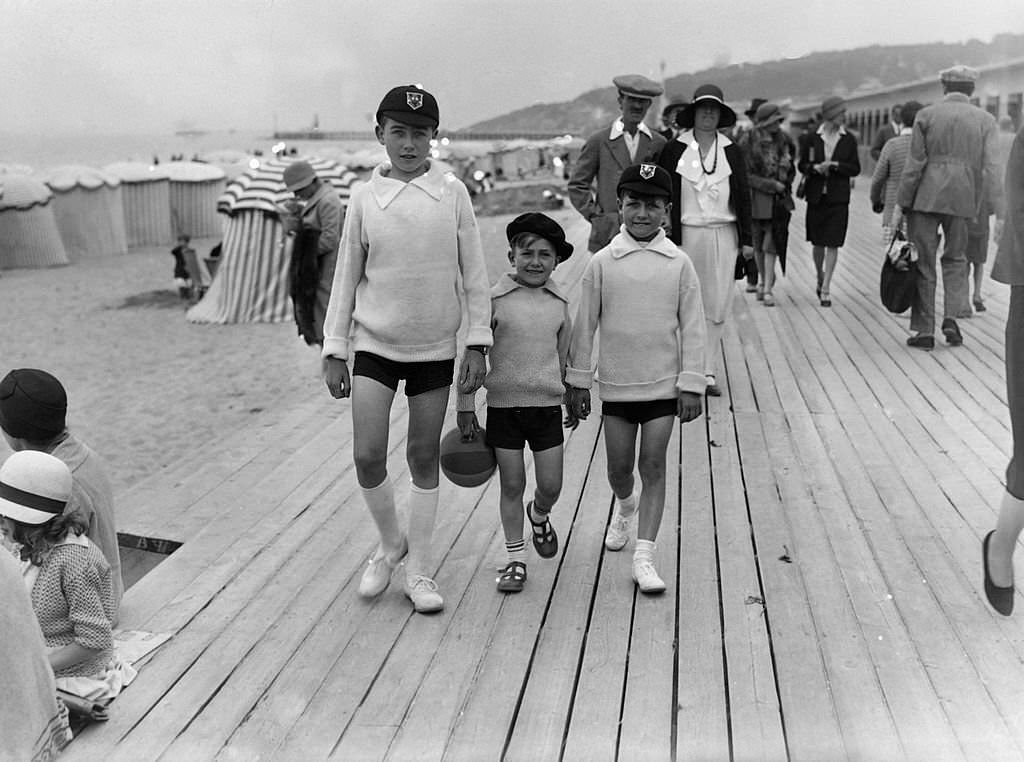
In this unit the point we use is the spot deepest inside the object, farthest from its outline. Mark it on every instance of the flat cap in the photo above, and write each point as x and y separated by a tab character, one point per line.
409	104
648	179
638	86
959	73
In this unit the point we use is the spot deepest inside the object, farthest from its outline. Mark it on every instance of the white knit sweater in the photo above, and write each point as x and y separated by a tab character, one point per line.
403	250
645	298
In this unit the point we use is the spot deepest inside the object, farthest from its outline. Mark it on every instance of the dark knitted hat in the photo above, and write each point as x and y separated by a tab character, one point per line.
545	227
33	405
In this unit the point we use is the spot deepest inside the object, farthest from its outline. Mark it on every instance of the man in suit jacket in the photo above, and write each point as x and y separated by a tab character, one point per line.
887	131
607	152
950	174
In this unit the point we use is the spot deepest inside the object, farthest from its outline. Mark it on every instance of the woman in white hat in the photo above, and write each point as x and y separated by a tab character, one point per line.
710	212
68	579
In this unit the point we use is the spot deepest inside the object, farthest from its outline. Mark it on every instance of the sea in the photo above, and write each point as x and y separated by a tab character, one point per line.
40	152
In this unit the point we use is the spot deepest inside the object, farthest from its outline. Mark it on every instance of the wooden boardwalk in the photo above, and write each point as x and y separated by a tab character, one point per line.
821	545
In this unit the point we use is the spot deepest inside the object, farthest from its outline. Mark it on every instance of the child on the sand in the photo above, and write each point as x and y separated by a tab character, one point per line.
526	386
68	578
409	236
643	293
181	276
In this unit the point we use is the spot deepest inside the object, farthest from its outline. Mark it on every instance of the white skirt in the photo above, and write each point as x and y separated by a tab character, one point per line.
713	251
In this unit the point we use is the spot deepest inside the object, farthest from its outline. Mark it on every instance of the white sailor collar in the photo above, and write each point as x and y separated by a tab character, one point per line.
618	128
624	244
507	284
433	182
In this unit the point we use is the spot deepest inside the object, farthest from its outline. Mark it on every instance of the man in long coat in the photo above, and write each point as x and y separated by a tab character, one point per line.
950	174
607	152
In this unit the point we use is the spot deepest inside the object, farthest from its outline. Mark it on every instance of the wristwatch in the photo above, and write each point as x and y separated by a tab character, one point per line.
479	348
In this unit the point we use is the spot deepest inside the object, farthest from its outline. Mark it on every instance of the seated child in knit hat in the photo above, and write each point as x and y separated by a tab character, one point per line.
33	409
68	578
643	293
526	386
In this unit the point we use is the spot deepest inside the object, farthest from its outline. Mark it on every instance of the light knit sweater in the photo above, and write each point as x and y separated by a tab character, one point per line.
531	329
645	298
396	288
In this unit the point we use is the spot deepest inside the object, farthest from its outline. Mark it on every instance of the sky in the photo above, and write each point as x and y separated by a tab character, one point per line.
124	66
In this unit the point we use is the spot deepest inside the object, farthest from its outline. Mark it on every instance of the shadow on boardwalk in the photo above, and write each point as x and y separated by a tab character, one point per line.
821	544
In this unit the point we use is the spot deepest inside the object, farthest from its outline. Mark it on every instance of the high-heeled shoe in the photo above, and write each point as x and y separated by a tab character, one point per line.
999	598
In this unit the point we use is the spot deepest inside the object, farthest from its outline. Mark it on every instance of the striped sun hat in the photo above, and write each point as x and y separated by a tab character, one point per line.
34	487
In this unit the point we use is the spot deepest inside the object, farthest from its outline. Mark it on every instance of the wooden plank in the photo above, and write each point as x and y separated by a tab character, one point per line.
754	713
546	700
702	722
649	700
501	667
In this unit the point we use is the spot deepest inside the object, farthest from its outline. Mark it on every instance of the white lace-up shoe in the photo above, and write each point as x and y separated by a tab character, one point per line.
619	530
422	591
377	575
646	577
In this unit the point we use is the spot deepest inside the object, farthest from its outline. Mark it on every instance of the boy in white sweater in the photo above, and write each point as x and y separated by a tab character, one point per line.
526	386
409	235
643	293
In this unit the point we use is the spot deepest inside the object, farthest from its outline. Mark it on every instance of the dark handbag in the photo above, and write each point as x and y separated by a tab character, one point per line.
744	267
801	187
898	282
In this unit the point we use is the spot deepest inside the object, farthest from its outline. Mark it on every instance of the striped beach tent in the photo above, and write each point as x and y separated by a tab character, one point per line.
146	199
251	284
195	188
89	210
28	229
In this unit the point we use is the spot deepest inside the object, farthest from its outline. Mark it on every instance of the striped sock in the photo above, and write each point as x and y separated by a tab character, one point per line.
516	550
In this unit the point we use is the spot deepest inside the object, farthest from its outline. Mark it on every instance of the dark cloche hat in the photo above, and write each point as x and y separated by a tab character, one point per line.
33	405
648	179
705	94
409	104
545	227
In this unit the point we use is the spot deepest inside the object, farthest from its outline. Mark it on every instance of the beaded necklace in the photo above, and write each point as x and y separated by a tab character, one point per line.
714	164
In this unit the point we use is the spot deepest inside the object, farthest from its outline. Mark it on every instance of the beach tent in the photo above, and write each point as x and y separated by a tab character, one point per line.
28	229
89	210
251	284
195	188
146	199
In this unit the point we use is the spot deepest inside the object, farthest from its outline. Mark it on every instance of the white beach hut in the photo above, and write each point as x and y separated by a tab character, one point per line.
28	230
146	199
88	207
251	284
195	188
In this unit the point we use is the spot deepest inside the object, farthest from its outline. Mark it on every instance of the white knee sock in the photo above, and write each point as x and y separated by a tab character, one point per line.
381	502
422	516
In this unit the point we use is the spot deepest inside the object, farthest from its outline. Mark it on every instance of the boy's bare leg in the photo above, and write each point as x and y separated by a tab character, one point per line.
512	478
547	467
371	414
620	447
654	437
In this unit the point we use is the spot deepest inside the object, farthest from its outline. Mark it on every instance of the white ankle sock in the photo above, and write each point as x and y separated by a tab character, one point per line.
422	515
627	506
644	551
381	502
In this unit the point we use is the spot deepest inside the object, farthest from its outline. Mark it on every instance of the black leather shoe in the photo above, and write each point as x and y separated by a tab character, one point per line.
999	598
921	342
952	332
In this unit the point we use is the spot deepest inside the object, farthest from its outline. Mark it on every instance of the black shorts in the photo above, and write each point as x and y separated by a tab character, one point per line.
641	412
419	377
510	428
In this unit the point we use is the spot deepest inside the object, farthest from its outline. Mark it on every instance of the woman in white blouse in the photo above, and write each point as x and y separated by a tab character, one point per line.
710	215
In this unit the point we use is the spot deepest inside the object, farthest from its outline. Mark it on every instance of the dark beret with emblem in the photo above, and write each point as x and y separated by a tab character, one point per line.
409	104
646	179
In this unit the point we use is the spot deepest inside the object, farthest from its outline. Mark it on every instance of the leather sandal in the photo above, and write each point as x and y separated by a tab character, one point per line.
512	578
545	541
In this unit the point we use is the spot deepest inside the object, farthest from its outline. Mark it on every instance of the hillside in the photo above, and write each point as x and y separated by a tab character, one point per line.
798	79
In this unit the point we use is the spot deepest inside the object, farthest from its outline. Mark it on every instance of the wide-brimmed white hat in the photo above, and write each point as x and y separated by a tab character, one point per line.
35	487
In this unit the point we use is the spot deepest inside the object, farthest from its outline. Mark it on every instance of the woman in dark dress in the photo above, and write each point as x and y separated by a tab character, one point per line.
828	159
710	212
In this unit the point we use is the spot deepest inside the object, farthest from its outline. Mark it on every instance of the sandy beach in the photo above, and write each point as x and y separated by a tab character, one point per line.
145	386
